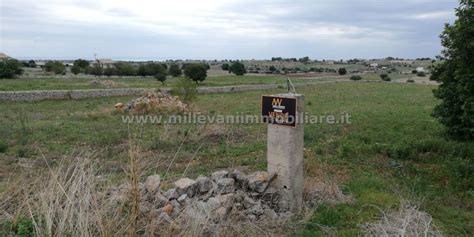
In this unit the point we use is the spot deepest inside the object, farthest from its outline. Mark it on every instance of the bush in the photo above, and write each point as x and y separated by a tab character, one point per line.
3	146
356	78
272	68
342	71
195	72
109	71
55	66
81	63
385	77
75	69
456	73
225	67
185	89
126	69
421	74
10	68
238	68
95	70
174	70
149	69
161	77
32	63
411	81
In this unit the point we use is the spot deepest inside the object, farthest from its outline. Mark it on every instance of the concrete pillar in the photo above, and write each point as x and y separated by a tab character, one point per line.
285	146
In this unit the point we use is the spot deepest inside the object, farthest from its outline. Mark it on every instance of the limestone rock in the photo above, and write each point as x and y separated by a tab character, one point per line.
171	194
185	185
259	181
204	184
152	183
219	175
225	185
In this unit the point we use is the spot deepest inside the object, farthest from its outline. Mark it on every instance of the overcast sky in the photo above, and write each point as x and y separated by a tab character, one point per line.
222	29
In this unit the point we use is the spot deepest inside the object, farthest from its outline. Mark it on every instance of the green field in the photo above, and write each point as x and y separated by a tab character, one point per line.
56	83
393	150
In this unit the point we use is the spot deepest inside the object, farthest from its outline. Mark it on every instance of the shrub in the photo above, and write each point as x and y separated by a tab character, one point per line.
174	70
10	68
195	72
55	66
109	71
421	74
32	63
410	80
126	69
342	71
414	71
95	70
75	69
356	78
81	63
385	77
185	89
238	68
455	73
3	146
161	77
272	68
225	67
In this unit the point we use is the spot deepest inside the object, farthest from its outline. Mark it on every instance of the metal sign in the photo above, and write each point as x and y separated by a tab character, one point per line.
279	110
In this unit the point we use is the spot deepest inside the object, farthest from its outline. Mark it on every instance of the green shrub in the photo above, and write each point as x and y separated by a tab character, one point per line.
3	146
10	68
161	77
342	71
356	78
410	80
238	68
225	67
196	72
421	74
185	89
174	70
55	67
456	110
385	77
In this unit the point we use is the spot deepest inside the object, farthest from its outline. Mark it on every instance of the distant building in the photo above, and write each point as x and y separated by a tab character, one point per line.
374	65
401	62
4	56
330	62
420	69
105	62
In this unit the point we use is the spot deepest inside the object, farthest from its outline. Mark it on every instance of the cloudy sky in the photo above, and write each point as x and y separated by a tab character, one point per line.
222	29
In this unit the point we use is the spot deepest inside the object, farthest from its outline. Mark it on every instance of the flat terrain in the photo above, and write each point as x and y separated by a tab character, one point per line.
392	151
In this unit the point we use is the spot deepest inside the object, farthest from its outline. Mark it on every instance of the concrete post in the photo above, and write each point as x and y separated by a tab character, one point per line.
285	146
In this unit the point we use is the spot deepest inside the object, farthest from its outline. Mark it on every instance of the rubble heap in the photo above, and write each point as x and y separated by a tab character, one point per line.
153	102
105	83
222	196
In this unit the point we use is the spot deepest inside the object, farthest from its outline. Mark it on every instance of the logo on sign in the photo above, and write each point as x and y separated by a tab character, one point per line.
279	110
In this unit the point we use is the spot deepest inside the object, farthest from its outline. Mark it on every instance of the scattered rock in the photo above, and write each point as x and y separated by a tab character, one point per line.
225	185
168	209
259	181
182	198
171	194
219	175
204	184
185	185
152	183
155	101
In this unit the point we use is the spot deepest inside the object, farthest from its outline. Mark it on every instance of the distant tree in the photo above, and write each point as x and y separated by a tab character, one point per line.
196	72
125	69
161	77
225	67
109	71
32	63
421	74
304	59
272	68
174	70
342	71
385	77
81	63
238	68
95	70
456	74
356	78
165	66
75	69
55	66
10	68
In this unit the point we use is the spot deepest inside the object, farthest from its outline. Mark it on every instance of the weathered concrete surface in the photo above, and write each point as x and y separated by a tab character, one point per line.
285	146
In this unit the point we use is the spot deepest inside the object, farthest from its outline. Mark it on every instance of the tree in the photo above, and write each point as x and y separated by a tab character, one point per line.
55	66
238	68
32	63
174	70
385	77
95	70
161	77
10	68
125	69
81	63
109	71
272	68
196	72
151	69
75	69
342	71
225	67
456	74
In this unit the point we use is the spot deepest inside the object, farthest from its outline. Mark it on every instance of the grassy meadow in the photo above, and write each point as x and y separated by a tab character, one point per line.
393	151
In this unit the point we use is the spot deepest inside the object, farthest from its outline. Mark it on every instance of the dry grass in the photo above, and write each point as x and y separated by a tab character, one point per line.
407	220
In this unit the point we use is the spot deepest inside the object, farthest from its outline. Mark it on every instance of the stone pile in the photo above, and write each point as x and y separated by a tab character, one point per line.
221	197
105	83
153	102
